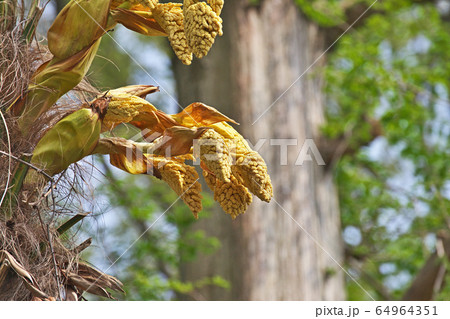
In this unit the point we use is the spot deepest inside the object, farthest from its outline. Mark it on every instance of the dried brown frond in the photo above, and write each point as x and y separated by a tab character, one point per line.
24	238
24	216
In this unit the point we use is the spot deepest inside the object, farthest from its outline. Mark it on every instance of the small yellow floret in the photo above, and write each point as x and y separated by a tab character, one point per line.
123	108
216	5
201	25
233	197
170	17
214	155
251	170
183	179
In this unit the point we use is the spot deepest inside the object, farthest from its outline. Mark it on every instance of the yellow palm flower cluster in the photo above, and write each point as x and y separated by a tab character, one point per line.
248	173
182	178
249	167
170	17
233	197
215	155
202	25
232	170
191	27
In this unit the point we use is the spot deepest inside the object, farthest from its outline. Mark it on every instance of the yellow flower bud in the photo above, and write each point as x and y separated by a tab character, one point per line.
201	26
216	5
233	197
170	17
183	179
123	108
214	155
139	90
251	170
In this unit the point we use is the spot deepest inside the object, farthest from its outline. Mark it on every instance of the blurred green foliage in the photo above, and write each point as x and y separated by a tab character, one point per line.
112	67
150	212
330	13
395	192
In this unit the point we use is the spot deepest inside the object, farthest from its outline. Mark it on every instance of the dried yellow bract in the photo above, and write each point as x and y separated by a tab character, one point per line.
233	197
235	141
183	179
170	17
123	108
214	155
201	25
144	3
251	170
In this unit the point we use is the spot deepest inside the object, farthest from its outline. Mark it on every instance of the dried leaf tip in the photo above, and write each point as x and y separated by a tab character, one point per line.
144	3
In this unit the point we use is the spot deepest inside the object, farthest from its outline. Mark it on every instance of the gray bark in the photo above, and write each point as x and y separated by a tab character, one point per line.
265	254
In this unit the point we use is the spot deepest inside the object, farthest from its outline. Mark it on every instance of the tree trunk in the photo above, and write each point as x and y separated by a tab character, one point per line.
265	254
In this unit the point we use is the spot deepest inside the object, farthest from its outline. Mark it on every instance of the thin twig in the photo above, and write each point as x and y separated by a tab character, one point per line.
9	161
26	163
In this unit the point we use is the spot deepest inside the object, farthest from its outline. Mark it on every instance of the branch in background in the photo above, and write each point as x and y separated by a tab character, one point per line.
354	13
333	149
82	246
373	282
429	280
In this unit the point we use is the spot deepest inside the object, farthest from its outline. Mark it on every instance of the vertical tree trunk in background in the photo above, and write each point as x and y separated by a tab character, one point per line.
265	254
